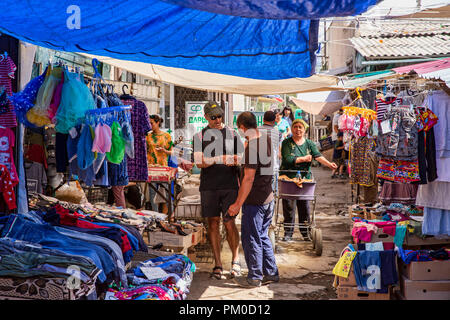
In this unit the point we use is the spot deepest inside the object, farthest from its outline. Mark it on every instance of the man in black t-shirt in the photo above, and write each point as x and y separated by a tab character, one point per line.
256	198
217	152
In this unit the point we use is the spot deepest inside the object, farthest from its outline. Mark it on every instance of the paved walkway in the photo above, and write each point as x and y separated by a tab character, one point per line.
304	275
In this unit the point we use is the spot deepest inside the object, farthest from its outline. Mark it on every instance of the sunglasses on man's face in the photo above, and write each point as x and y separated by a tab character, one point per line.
216	117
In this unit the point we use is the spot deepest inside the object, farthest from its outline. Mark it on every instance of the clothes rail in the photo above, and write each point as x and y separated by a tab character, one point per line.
108	110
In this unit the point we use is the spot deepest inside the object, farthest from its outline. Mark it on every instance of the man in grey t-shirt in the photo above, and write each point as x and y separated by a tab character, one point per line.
276	137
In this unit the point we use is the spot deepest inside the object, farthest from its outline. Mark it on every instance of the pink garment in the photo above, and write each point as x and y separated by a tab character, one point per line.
390	230
102	140
382	224
368	226
361	234
7	70
7	140
56	99
387	226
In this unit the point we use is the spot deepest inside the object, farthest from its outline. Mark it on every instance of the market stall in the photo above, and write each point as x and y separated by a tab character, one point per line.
399	223
81	141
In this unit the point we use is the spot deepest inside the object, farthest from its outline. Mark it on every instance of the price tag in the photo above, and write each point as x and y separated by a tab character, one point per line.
152	273
386	126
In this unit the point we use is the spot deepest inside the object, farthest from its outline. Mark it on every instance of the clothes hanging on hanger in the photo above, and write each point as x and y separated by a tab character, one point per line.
7	187
23	101
76	99
7	141
383	105
39	114
439	103
7	73
140	124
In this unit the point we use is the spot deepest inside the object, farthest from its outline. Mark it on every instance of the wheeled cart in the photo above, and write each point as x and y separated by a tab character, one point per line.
290	191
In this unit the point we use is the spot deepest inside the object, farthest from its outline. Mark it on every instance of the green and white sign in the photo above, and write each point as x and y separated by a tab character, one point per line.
195	120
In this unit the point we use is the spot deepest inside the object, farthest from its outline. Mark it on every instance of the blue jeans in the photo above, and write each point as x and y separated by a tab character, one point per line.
17	227
108	245
258	251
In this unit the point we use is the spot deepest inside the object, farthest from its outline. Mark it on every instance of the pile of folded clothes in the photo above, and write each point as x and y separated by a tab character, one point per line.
161	278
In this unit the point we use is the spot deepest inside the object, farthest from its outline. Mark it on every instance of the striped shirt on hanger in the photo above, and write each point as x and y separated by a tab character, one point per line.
7	70
383	105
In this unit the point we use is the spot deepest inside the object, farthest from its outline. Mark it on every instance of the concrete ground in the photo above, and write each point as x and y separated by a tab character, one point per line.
303	274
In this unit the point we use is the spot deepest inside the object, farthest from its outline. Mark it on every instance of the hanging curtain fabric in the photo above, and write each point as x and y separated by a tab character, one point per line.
166	34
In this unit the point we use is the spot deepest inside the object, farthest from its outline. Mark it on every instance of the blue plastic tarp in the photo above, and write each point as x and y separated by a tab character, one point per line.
170	35
271	9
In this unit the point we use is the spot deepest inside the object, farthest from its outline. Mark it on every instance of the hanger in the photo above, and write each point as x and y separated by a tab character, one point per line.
125	96
389	92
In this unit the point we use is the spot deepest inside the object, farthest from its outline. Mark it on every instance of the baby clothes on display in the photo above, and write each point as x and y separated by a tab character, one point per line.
39	114
84	148
7	187
102	140
398	137
76	99
56	99
117	151
383	105
7	70
7	140
342	267
24	100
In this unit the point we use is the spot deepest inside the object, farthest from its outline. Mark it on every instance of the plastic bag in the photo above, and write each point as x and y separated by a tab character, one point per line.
71	192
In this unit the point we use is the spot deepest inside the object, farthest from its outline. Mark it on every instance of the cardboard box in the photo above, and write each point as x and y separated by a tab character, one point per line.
352	293
170	239
350	281
352	214
425	270
425	290
380	236
197	235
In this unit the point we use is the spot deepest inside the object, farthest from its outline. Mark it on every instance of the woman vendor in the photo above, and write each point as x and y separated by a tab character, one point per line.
297	154
159	148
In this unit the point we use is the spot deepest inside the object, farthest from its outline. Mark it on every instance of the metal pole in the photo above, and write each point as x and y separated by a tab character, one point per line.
172	110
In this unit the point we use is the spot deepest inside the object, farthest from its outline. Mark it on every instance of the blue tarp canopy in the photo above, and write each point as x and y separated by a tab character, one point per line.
272	9
164	33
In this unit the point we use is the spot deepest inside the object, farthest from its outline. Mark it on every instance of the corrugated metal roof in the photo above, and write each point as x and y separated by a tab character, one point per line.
383	28
363	80
439	69
416	46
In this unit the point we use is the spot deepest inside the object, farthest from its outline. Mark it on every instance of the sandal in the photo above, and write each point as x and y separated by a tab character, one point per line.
235	269
166	227
217	274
